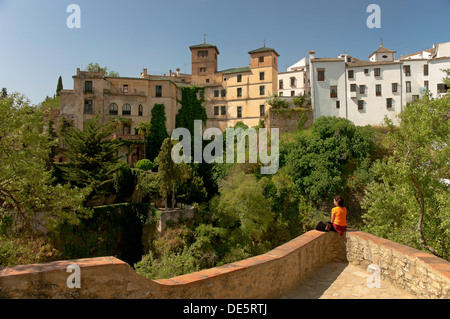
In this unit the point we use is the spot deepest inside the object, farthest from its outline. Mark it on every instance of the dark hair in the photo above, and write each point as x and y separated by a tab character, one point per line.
339	200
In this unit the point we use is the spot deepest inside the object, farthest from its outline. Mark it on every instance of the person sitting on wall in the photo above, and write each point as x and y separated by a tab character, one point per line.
338	221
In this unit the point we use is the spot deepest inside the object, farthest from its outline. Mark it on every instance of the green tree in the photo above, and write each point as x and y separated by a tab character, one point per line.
170	174
242	208
26	182
4	93
409	201
323	160
276	102
158	132
59	86
95	67
93	157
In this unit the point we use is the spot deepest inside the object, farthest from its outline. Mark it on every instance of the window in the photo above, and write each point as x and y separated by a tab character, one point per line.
223	110
207	80
350	74
333	91
202	70
320	74
408	87
261	76
125	89
88	86
352	87
158	90
239	92
426	85
280	84
338	104
113	109
394	87
425	69
442	88
415	98
216	110
262	90
202	54
239	78
140	109
261	59
366	71
360	104
378	90
407	70
262	110
126	129
389	103
223	93
126	109
362	89
216	93
239	111
293	80
88	108
377	71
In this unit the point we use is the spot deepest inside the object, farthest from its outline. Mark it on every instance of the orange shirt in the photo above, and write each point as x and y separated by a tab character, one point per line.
340	214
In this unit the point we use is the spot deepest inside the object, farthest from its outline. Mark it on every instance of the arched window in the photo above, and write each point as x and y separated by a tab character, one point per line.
126	109
141	110
113	109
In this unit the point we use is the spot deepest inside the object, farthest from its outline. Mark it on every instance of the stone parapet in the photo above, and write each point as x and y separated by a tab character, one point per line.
417	272
266	276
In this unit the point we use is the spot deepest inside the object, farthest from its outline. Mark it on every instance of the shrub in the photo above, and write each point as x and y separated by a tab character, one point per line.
145	164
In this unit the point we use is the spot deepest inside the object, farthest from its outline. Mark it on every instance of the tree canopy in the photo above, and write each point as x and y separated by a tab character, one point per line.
93	157
409	199
26	183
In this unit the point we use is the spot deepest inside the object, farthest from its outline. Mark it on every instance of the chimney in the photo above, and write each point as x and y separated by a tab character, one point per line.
178	71
144	73
312	54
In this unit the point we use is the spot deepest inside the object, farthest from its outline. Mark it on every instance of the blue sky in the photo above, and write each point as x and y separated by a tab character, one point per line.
36	46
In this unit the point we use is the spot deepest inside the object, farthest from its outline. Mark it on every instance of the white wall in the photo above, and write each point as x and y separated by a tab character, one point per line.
375	107
323	104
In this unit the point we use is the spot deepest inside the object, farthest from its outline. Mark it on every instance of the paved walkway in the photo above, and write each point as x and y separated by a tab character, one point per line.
344	281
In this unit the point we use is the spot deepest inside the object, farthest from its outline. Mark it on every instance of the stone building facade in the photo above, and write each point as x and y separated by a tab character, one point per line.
231	95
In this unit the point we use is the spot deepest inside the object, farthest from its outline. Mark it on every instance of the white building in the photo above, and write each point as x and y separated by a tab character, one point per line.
295	81
365	92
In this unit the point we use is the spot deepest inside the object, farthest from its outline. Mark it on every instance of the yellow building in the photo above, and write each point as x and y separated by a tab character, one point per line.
236	94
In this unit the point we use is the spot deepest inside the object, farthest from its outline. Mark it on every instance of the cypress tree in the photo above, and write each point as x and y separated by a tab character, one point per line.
158	132
60	86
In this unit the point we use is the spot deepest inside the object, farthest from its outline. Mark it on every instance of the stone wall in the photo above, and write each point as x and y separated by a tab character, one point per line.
174	215
412	270
266	276
287	119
